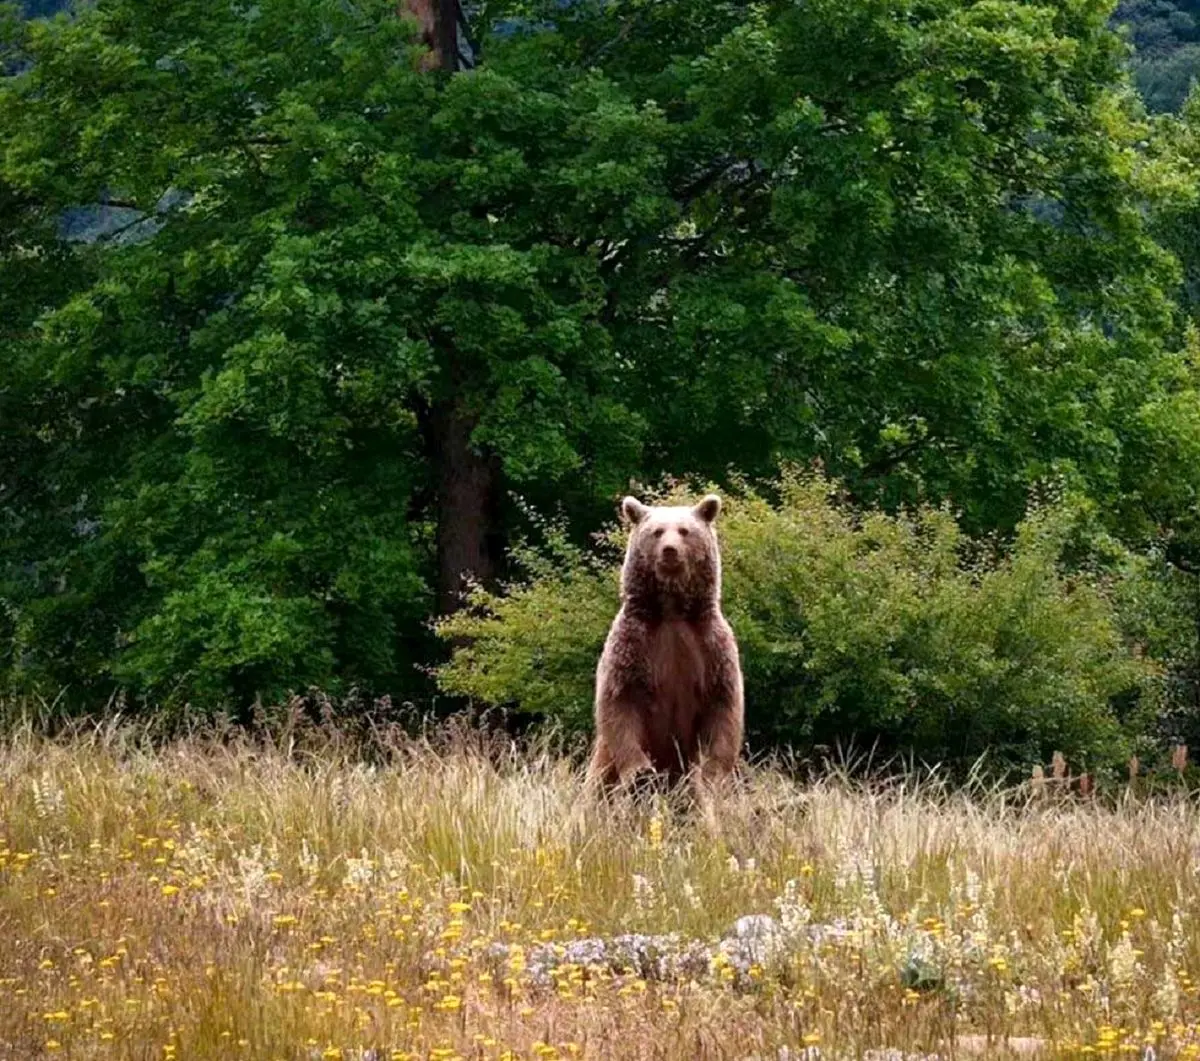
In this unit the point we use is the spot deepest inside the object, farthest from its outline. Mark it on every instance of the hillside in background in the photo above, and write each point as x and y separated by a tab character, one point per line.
1166	36
39	8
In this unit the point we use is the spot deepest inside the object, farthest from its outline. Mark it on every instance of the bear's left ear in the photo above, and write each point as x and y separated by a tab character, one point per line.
709	508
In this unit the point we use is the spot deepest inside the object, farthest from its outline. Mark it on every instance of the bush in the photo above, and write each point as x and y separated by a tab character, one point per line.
854	626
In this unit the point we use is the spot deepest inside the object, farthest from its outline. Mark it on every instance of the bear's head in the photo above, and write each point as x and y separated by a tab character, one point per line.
672	563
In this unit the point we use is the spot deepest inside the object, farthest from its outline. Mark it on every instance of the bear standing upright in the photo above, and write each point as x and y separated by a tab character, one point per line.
669	683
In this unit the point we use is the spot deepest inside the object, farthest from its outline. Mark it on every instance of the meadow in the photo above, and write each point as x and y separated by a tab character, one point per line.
459	897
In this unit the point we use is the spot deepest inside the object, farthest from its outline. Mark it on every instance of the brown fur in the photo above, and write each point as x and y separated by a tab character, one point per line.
669	682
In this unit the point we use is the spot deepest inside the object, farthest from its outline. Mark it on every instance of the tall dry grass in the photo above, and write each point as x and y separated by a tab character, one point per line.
228	899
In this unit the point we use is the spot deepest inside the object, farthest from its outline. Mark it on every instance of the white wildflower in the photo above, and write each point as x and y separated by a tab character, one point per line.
794	915
48	797
1166	995
643	892
310	864
252	871
1122	964
360	871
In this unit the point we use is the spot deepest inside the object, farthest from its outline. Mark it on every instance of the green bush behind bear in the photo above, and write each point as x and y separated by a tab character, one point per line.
897	633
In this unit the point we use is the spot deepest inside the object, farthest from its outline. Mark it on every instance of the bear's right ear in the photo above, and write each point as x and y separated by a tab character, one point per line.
709	508
633	510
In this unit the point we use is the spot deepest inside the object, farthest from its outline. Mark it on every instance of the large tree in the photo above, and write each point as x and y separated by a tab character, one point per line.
253	438
231	447
921	255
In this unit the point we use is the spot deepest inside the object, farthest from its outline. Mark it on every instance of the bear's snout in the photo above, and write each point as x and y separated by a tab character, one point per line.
670	555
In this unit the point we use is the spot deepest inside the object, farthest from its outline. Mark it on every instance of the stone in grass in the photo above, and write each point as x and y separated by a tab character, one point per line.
890	1053
1012	1045
759	937
1020	1046
660	958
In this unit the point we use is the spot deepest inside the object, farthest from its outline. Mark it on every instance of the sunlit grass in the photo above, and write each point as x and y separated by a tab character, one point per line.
207	899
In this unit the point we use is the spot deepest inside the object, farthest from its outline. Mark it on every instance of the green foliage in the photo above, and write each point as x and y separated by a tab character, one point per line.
209	503
221	432
1159	604
536	645
1176	223
915	249
853	625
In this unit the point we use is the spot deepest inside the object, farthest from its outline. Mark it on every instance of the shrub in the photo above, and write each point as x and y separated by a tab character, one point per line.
1159	604
854	626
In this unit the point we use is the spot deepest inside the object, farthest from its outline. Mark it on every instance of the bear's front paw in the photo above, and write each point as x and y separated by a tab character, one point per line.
644	783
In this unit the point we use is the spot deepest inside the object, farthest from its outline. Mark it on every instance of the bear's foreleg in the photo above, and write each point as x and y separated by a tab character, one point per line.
619	755
720	744
719	733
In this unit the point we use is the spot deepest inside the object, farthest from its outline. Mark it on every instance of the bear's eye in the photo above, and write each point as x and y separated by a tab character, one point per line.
659	532
683	532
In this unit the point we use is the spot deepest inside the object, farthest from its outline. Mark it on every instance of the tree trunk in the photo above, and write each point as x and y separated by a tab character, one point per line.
466	482
443	31
446	24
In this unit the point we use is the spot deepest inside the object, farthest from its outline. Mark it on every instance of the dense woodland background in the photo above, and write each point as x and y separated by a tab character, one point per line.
1166	37
293	333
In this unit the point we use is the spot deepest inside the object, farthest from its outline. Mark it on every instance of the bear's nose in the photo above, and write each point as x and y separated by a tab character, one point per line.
670	552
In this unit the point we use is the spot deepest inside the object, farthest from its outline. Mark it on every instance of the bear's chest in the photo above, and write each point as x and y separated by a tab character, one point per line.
677	668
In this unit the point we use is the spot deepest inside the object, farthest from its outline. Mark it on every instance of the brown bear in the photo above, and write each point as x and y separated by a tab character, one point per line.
669	681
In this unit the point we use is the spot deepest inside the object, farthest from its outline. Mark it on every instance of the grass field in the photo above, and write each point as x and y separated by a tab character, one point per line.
205	899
